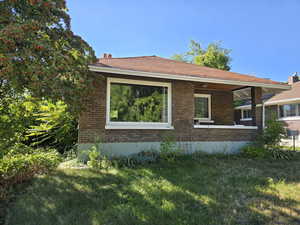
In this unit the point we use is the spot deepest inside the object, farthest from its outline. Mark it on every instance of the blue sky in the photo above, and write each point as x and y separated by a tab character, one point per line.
264	35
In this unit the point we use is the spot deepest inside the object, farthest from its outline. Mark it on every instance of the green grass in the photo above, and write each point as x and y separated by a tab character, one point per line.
209	190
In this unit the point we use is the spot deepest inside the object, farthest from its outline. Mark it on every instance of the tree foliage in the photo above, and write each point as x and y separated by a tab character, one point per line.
213	56
16	116
40	54
53	127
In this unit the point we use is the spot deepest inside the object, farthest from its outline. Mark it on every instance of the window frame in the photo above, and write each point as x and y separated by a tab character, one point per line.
243	115
138	125
208	96
284	117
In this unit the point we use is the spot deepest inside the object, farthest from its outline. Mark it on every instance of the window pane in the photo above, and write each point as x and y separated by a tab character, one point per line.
201	107
298	110
247	113
290	110
138	103
281	111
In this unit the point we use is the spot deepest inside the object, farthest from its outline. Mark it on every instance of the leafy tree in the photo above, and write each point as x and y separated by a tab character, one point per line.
40	54
16	116
53	127
213	56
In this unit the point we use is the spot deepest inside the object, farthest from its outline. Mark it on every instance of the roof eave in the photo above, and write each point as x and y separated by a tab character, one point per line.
185	77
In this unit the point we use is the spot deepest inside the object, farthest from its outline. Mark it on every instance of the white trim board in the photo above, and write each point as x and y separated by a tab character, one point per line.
242	127
246	119
208	96
282	102
185	77
291	118
247	106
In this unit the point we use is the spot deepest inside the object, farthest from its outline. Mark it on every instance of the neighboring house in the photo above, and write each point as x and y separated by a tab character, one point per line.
141	100
284	106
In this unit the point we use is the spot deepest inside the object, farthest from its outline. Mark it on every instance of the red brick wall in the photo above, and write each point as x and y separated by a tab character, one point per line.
92	121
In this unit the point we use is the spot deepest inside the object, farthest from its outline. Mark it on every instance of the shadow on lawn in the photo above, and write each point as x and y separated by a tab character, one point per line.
228	190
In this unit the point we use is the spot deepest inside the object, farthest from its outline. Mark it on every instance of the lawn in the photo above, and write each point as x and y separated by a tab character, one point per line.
206	190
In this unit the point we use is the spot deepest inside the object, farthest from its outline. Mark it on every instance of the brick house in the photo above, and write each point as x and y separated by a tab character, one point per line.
141	100
284	105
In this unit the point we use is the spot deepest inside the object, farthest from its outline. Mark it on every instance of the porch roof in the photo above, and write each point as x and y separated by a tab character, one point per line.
158	67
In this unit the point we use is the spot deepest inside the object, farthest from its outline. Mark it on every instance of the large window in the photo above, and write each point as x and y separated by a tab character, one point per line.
138	104
202	107
289	110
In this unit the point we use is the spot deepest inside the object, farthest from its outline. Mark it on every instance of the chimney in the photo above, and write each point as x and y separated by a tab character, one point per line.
293	79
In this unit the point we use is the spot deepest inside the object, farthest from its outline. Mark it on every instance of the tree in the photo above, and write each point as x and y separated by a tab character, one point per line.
39	53
213	56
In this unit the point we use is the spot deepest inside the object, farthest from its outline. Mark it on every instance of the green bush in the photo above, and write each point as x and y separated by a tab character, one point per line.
19	165
254	151
134	160
272	134
55	127
16	116
18	148
267	144
168	149
96	159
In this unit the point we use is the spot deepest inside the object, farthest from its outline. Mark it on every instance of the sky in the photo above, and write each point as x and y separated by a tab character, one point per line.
263	35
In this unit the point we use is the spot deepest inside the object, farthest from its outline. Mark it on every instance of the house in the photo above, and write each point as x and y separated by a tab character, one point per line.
141	100
284	106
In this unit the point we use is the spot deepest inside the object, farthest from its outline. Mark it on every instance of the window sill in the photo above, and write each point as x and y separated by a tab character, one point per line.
246	119
289	118
138	127
227	127
203	121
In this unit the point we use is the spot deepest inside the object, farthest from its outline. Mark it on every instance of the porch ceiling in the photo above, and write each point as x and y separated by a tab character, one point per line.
215	87
245	93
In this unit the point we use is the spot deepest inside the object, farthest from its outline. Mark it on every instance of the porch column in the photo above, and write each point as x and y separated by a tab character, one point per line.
256	93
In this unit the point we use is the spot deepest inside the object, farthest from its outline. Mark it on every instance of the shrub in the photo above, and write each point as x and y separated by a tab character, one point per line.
16	116
168	149
17	166
133	160
94	158
267	143
272	133
254	151
278	153
55	127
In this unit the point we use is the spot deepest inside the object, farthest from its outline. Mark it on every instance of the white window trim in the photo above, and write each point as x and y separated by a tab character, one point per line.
296	117
289	118
241	127
138	125
209	107
246	119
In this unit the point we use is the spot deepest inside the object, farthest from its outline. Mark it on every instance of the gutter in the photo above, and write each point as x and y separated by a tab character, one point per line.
289	100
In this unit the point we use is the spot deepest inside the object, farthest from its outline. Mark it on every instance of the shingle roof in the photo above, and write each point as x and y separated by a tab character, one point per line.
293	93
155	64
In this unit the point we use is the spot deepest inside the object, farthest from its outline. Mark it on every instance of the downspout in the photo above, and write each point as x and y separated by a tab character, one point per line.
263	114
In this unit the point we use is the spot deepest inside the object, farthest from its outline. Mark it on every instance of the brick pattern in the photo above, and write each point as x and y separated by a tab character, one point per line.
92	121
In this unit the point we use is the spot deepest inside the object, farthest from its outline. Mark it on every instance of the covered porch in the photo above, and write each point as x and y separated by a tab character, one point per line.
213	106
